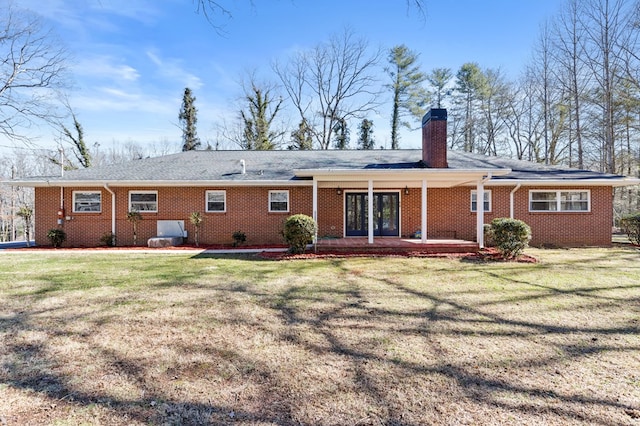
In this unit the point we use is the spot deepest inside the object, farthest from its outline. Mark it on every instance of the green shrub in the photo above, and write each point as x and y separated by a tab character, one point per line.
630	224
56	237
239	237
108	239
299	231
510	236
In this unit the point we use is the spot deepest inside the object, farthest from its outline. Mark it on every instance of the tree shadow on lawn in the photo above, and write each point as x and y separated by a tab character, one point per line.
521	394
347	330
34	367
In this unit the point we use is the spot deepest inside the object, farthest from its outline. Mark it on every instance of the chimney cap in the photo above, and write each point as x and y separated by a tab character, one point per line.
435	114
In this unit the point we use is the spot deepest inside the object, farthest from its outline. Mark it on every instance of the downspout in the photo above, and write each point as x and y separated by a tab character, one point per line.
113	213
511	203
61	204
480	210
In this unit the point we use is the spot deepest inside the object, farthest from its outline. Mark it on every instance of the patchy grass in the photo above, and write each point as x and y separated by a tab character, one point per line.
110	338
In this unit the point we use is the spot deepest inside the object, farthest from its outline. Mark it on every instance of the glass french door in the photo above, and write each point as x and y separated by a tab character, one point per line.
386	217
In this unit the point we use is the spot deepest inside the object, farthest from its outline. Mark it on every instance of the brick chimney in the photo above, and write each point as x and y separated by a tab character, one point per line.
434	138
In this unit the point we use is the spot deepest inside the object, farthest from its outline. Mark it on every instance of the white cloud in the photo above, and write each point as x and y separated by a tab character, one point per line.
106	67
172	69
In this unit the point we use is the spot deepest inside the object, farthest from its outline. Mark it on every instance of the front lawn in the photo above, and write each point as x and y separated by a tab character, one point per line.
139	338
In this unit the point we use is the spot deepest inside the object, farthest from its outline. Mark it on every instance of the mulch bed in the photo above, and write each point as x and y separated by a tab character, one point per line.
485	255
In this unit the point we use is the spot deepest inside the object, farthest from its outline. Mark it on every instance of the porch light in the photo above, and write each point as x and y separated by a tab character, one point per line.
406	190
339	191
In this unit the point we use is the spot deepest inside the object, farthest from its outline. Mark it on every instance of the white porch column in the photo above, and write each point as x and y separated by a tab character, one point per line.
315	208
370	211
423	223
480	213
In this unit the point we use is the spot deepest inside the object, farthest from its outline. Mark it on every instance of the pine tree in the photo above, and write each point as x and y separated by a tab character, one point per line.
341	135
365	135
470	83
188	119
80	149
438	79
258	133
409	97
302	138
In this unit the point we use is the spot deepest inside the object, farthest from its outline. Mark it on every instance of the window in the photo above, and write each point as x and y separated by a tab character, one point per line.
87	201
279	201
559	201
216	201
143	201
487	201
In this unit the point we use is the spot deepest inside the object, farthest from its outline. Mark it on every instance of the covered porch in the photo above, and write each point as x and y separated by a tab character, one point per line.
388	185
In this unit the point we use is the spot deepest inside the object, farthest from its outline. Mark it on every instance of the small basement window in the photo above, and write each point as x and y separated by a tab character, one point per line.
279	201
87	201
216	201
559	201
143	201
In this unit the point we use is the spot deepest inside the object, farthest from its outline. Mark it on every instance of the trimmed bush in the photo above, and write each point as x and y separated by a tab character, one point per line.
630	224
299	231
239	237
56	237
108	239
510	236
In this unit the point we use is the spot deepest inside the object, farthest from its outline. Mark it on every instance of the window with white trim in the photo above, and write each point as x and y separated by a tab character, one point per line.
559	201
87	201
487	200
279	201
216	201
143	201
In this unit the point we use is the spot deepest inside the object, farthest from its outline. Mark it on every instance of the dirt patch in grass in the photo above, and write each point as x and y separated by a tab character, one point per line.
140	338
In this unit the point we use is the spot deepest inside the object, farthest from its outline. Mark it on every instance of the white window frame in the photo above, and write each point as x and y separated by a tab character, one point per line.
75	205
558	200
224	201
279	191
487	199
143	192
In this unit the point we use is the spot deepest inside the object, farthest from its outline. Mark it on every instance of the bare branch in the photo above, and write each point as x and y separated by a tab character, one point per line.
32	71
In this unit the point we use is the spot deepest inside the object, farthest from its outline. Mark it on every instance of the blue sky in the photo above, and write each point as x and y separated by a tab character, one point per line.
132	59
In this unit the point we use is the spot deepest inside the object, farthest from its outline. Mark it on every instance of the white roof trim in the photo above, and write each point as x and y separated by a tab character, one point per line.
399	174
616	182
156	183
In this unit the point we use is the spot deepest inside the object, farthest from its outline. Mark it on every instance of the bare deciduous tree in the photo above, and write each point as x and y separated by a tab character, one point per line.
32	70
332	83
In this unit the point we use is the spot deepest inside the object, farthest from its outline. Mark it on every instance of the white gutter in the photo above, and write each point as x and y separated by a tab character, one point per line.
157	183
404	173
615	182
113	212
511	194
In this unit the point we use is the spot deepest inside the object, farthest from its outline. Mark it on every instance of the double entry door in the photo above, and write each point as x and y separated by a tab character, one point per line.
386	206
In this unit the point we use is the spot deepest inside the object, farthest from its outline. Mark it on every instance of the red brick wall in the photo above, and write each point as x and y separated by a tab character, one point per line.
330	213
569	229
247	211
448	215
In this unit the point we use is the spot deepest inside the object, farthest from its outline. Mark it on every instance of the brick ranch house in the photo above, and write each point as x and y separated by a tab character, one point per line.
368	194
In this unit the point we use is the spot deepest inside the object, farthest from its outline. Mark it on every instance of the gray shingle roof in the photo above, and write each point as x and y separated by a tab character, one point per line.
223	166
